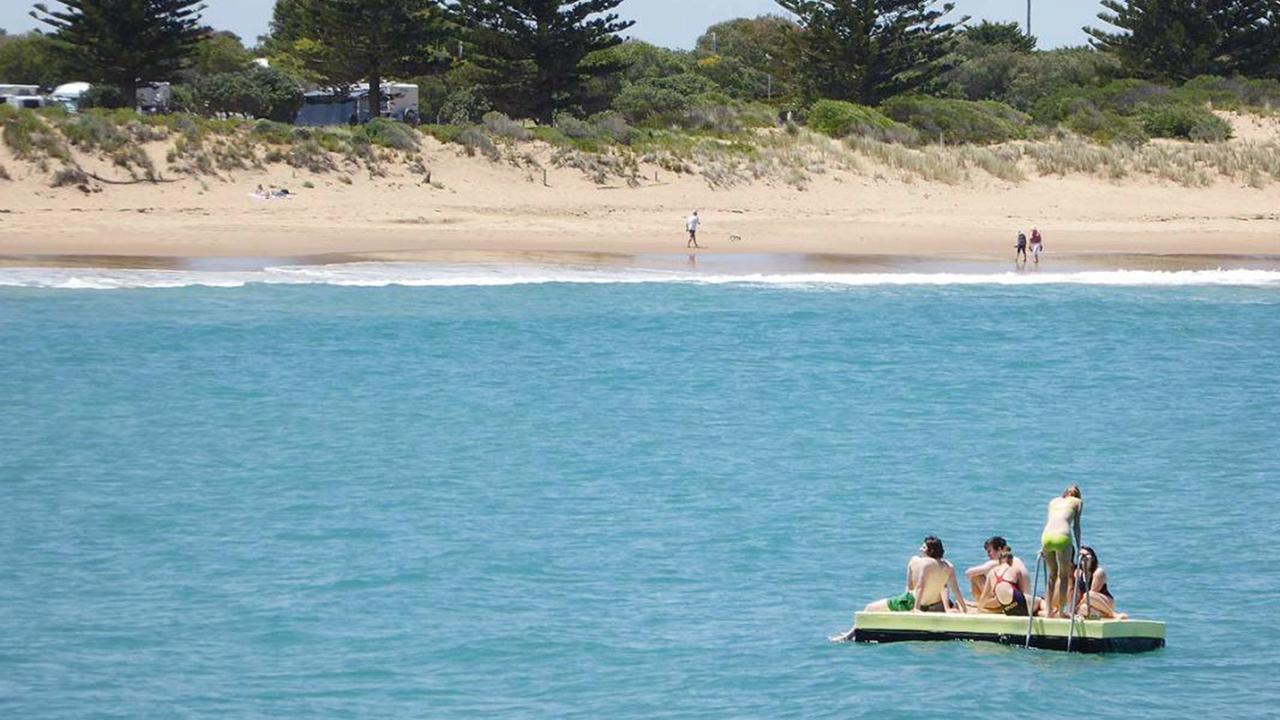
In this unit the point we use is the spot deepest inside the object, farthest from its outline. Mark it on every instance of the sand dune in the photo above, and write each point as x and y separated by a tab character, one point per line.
477	205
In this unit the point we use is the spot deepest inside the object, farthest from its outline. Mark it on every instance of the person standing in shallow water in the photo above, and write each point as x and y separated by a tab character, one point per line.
691	224
1037	244
1021	247
1058	542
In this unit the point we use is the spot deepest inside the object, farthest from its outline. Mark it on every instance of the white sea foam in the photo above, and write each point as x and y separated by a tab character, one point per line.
376	274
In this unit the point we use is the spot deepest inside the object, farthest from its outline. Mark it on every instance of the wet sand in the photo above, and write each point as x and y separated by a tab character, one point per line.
724	263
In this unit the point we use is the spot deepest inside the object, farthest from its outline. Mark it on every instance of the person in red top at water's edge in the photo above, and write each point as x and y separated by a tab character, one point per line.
1037	244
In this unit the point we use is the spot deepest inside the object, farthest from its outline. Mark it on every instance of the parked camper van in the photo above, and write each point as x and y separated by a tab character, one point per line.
26	101
19	89
334	107
69	95
21	96
155	97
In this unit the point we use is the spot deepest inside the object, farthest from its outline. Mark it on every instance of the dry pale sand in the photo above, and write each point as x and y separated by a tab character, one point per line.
484	207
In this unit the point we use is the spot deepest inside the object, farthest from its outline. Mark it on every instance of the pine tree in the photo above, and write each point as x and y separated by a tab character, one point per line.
125	42
289	20
870	50
367	40
1180	39
535	55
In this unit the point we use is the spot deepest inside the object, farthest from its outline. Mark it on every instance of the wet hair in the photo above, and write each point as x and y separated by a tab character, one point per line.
1072	490
1006	556
933	547
995	542
1088	564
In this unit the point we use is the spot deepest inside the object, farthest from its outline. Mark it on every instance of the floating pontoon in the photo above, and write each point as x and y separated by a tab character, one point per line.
1090	636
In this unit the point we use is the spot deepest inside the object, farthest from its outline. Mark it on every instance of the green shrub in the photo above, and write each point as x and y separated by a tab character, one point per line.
311	156
91	131
1186	122
334	140
463	107
391	134
1122	97
687	84
474	139
255	93
648	104
502	126
69	176
959	121
569	131
1231	93
273	132
31	138
1022	79
612	126
573	127
102	96
443	133
133	156
720	114
1105	126
1129	96
838	119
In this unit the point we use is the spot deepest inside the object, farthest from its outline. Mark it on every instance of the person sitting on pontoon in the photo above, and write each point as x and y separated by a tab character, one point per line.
931	585
1007	589
978	573
1096	602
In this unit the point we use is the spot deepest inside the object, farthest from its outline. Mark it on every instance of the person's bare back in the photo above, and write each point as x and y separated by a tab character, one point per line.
933	578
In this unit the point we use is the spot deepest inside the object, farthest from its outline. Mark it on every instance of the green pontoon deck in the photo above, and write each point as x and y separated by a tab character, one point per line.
1091	636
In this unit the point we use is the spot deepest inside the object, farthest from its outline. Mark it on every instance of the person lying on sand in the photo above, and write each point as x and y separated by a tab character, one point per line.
264	194
931	583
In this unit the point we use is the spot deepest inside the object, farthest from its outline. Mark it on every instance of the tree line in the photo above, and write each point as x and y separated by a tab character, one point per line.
540	59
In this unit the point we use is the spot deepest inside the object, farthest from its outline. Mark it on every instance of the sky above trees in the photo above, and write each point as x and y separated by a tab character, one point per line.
671	23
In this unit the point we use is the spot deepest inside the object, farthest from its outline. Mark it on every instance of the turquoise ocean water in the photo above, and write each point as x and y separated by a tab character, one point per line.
311	493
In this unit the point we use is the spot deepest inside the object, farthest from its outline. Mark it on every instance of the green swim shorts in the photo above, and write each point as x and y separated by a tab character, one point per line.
1055	542
903	603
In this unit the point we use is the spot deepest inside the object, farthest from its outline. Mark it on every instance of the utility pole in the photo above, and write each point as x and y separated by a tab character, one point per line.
1028	18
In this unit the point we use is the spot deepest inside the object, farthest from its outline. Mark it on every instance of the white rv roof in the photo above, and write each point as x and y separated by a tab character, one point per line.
72	89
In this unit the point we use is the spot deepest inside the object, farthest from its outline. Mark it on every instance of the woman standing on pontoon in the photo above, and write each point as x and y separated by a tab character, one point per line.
1058	542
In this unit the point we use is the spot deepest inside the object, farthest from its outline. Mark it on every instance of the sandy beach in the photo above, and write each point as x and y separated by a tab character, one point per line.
477	206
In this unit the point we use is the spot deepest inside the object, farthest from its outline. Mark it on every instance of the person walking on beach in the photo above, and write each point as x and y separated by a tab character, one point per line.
1021	247
1037	244
1058	542
691	224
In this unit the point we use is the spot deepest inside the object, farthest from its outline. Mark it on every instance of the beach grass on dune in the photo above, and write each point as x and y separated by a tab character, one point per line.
607	150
